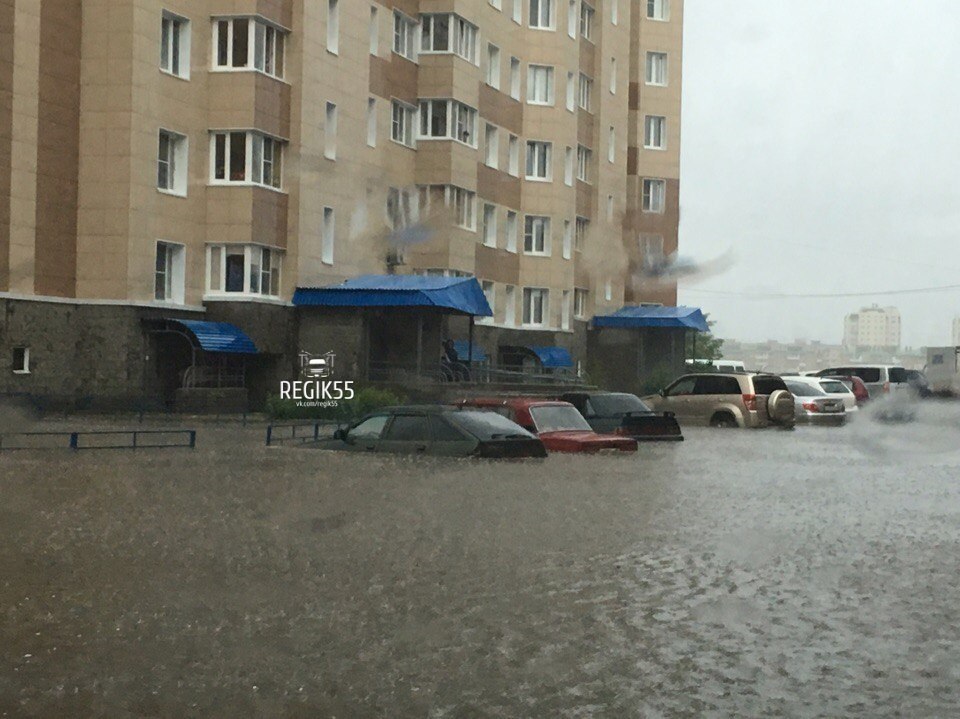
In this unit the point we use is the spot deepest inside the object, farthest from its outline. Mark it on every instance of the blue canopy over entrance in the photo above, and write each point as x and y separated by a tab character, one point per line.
220	337
457	294
553	357
630	317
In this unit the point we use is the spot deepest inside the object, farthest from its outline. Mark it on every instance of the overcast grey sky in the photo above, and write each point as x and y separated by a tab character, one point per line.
821	142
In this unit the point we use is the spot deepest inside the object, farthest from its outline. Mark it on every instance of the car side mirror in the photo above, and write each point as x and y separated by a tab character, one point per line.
662	393
340	434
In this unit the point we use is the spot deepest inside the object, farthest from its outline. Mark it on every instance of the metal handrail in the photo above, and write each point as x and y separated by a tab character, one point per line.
75	444
312	436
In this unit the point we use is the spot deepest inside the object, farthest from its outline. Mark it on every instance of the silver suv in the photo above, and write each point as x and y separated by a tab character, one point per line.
727	399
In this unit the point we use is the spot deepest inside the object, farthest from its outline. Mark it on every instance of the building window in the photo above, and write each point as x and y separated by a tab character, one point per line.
535	305
330	132
611	144
513	151
247	158
572	19
615	12
493	66
172	162
371	122
586	21
541	14
249	43
404	35
536	235
175	45
655	133
489	291
329	236
580	236
511	231
571	92
448	33
510	306
608	291
565	311
579	303
654	194
584	158
448	119
403	207
489	225
514	78
464	207
652	246
657	68
243	269
568	167
169	273
585	90
374	30
613	76
402	123
567	240
517	12
658	9
491	144
540	85
496	4
333	26
21	360
539	160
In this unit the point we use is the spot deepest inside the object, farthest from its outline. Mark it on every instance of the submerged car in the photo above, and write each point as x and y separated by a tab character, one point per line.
625	414
833	388
813	405
443	431
855	385
733	399
558	424
881	379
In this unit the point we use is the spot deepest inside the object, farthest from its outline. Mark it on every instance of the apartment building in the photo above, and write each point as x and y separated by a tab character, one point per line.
204	158
872	327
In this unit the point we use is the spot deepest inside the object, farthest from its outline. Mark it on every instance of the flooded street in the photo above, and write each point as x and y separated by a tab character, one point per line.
753	573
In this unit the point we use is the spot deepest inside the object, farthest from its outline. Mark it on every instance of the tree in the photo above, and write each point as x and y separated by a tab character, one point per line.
703	345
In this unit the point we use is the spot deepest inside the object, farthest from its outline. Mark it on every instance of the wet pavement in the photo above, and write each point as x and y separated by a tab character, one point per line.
739	573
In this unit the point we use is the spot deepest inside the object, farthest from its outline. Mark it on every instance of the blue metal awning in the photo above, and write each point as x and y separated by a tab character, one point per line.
463	351
553	357
630	317
458	294
218	336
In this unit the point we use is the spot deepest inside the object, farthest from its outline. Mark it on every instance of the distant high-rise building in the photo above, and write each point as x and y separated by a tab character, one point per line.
956	331
872	328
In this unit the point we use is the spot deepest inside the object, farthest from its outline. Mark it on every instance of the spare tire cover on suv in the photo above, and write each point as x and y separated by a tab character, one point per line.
780	406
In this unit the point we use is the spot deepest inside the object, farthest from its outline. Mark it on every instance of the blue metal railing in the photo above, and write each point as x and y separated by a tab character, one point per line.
74	440
297	432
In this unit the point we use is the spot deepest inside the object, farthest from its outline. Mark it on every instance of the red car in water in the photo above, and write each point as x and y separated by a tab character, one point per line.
559	425
855	385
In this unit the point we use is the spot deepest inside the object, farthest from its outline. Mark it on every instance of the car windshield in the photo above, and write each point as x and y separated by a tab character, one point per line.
610	405
767	384
555	418
834	387
802	389
487	425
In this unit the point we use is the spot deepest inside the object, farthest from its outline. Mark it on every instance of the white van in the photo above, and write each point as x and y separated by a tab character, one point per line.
880	379
720	365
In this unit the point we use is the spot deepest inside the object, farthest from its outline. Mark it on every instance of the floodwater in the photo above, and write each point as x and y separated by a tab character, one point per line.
740	573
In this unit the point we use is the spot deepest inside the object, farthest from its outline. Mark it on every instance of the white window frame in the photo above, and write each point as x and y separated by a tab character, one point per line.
567	239
654	132
333	27
489	225
581	297
608	291
374	29
565	311
531	295
585	92
581	228
403	205
173	272
613	76
371	122
511	230
491	145
539	159
571	92
536	235
658	10
493	66
517	14
253	271
568	167
572	19
510	305
176	162
584	160
330	131
328	237
541	85
489	288
611	144
462	36
261	35
405	36
654	197
515	79
403	120
255	153
464	204
588	16
543	14
460	119
24	368
614	12
513	156
175	45
657	60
